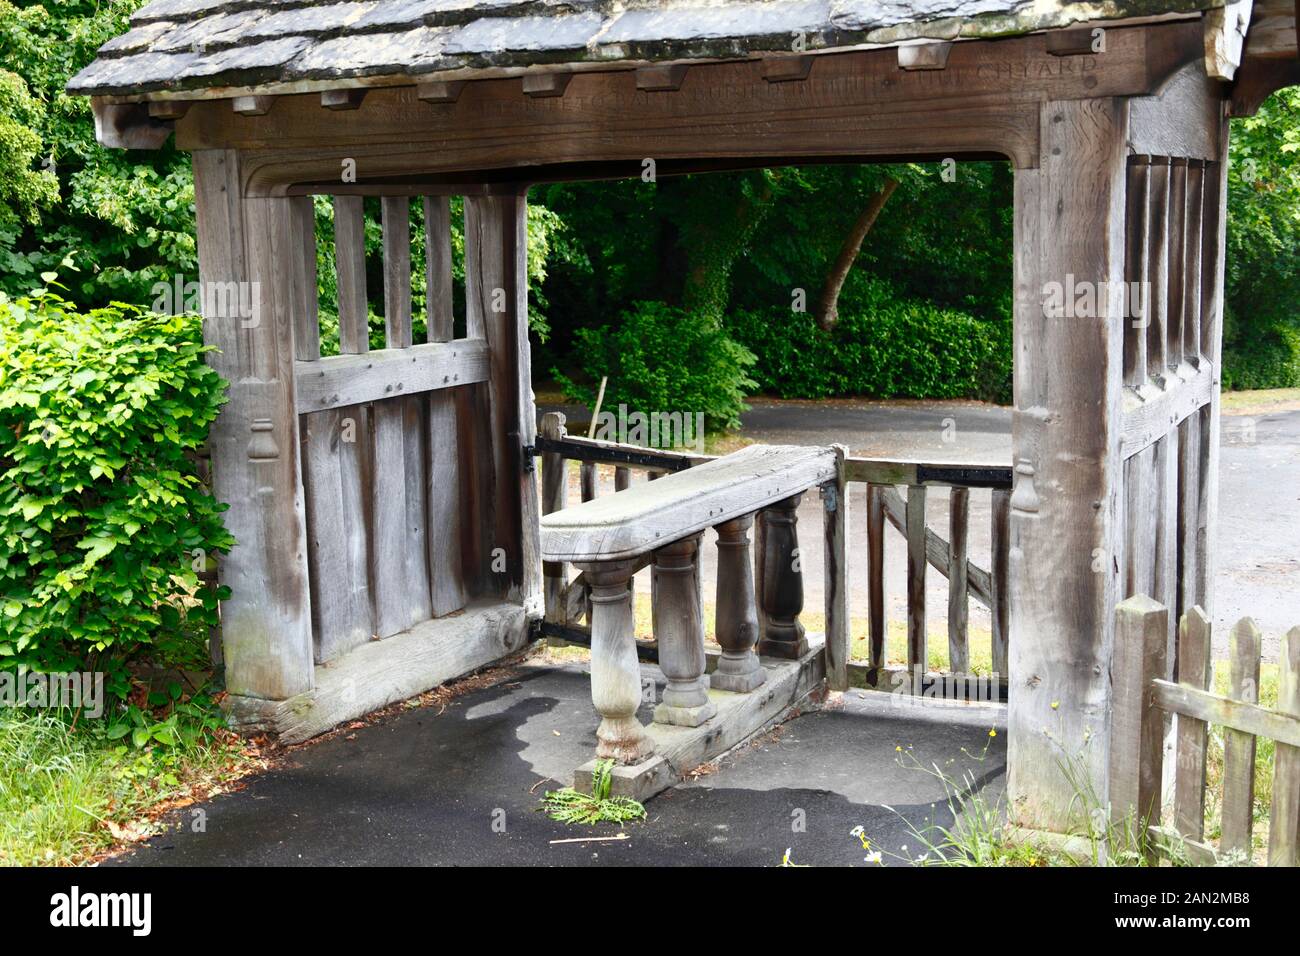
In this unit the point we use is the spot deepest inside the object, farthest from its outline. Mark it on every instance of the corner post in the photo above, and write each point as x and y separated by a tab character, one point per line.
1069	229
251	282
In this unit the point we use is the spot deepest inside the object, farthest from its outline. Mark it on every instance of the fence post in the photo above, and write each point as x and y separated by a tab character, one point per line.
1193	671
1285	818
835	523
1137	724
1238	747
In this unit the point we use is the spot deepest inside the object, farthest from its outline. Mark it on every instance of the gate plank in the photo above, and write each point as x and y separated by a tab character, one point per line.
1194	671
1239	748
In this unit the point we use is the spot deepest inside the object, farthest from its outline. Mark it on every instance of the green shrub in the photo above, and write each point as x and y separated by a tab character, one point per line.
663	359
1264	358
103	520
882	346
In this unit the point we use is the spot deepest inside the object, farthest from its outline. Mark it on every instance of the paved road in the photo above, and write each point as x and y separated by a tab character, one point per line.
1258	567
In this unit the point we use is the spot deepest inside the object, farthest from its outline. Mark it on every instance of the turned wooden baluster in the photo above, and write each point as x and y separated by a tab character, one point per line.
615	672
783	634
679	632
737	617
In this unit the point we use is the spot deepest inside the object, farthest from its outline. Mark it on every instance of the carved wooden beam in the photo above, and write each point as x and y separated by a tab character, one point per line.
546	84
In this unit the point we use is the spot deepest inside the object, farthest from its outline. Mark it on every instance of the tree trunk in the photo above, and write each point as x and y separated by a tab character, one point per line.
828	302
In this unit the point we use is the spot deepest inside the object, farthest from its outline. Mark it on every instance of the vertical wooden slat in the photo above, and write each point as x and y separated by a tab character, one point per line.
555	492
398	558
876	574
444	497
958	608
1238	747
1137	231
336	540
588	477
1193	671
1177	274
1189	503
337	468
1162	531
916	562
397	271
350	261
1158	271
1284	821
1137	724
306	320
835	527
1193	224
622	478
437	267
1001	548
496	290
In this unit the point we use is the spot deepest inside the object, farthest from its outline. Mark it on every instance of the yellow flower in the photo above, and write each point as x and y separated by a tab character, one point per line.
1055	704
993	732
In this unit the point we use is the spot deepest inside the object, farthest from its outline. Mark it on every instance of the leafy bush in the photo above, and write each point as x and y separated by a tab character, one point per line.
882	346
663	359
103	520
1267	358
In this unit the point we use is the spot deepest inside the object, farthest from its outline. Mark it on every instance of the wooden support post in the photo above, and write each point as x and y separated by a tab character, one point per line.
1284	822
496	295
1193	671
266	623
615	672
876	575
737	610
679	632
916	566
835	527
1136	741
1239	748
958	609
782	575
1064	569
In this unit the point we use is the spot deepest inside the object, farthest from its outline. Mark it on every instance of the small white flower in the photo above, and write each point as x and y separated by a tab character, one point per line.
873	856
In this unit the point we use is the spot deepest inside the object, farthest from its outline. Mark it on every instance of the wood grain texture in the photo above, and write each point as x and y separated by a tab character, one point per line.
1284	821
1064	566
350	262
835	533
342	380
1137	725
1193	672
651	515
1238	800
382	672
266	622
916	564
998	574
958	606
876	574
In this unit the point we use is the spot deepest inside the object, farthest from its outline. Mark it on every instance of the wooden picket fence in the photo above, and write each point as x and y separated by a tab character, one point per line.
1143	700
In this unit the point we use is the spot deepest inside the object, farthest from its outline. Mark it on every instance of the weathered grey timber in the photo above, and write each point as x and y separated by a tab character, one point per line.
373	494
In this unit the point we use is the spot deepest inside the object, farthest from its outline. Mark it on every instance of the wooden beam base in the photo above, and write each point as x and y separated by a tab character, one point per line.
739	717
380	673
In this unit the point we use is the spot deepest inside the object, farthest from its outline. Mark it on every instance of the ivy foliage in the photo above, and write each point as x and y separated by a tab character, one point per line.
104	525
